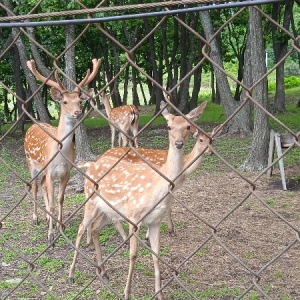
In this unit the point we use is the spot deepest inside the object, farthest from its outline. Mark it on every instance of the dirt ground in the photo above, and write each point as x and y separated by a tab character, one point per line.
228	238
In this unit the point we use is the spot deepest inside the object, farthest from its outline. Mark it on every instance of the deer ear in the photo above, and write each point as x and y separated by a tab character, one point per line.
165	112
56	94
196	112
89	94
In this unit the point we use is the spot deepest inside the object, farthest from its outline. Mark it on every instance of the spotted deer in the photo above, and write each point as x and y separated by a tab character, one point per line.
134	192
50	150
158	157
125	118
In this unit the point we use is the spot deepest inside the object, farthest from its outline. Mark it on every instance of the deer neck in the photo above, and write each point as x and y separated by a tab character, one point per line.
65	130
174	162
107	107
188	159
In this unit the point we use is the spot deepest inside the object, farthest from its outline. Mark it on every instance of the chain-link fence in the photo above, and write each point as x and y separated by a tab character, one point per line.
236	233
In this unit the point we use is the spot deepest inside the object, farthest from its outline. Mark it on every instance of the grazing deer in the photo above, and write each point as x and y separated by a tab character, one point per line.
135	192
50	150
123	117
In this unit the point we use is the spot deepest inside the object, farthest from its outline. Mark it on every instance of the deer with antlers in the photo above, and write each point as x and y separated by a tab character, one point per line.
50	150
137	193
125	118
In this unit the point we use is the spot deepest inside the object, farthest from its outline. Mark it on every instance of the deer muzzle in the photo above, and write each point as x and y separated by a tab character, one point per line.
179	144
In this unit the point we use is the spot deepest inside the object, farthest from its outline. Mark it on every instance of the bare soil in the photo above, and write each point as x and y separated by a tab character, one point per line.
229	237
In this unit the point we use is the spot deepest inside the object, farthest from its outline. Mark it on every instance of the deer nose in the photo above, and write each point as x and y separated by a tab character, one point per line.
78	113
179	144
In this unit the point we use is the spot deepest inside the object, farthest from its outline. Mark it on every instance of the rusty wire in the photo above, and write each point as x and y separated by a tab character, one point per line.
256	274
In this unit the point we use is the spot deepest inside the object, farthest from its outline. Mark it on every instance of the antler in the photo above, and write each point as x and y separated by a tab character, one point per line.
58	84
89	76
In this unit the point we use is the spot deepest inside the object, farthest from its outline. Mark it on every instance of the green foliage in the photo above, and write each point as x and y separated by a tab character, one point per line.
289	82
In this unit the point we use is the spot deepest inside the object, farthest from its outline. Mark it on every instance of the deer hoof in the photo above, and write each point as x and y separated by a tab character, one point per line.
35	222
105	277
51	239
70	280
148	243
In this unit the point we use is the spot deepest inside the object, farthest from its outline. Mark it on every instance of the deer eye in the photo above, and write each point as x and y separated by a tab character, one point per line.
168	128
189	127
201	140
65	102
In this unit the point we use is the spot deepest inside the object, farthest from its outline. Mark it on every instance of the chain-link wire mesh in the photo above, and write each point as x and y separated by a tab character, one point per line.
235	236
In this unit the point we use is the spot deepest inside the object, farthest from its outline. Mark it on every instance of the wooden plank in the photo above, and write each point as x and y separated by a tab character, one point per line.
271	153
280	162
286	140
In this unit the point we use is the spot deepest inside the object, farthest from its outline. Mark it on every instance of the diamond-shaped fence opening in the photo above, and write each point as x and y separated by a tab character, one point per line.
219	226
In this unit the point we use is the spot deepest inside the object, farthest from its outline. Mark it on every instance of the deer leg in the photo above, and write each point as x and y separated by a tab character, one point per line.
154	234
89	230
120	229
133	255
124	128
61	196
45	196
170	222
95	230
89	215
113	134
170	227
35	220
135	130
50	193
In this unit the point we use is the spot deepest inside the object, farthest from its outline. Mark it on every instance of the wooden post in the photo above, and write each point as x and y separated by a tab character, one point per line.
271	152
280	141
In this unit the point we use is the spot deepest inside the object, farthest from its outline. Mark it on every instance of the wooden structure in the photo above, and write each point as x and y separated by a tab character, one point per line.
279	141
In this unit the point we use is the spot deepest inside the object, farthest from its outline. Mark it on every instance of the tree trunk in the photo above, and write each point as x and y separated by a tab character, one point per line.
258	155
240	124
280	43
19	88
83	150
42	112
41	109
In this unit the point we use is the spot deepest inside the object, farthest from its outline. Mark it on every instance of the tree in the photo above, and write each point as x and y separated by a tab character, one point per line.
240	124
42	112
280	43
83	149
258	155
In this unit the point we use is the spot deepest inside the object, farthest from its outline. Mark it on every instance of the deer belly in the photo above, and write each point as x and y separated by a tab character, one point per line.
60	170
158	212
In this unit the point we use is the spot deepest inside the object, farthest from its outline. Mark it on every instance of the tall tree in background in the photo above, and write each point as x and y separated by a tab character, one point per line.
280	44
240	124
21	48
83	149
258	155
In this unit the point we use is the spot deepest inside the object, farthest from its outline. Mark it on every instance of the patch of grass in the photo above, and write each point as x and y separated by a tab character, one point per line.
144	251
271	202
290	118
279	274
144	269
164	227
203	251
249	255
179	224
9	256
50	264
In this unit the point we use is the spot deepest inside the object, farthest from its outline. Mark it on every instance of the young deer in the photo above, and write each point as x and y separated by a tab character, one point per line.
158	157
50	150
124	117
136	192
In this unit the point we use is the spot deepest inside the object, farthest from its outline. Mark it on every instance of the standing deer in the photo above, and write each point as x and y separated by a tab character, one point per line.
136	192
50	150
158	157
124	117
